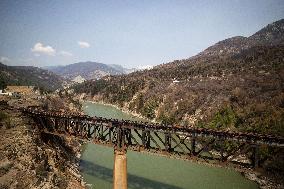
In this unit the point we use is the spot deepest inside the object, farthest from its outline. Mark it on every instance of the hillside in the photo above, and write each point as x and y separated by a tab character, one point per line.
33	159
272	34
28	75
87	70
236	84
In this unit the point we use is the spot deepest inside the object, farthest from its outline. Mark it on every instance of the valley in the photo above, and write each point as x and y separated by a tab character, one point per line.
209	119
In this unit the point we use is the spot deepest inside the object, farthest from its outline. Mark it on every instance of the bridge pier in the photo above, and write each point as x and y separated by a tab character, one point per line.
120	170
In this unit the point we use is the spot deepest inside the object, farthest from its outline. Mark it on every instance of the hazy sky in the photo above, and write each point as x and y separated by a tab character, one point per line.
131	33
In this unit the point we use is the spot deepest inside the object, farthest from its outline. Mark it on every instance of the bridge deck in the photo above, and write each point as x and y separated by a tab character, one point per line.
169	140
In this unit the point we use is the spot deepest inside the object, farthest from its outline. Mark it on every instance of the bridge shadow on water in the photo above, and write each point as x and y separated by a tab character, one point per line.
133	180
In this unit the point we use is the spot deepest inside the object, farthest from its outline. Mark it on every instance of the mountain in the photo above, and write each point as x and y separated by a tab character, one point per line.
28	75
272	34
236	84
87	70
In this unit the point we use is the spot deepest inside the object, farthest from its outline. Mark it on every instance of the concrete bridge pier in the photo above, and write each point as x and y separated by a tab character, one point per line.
120	170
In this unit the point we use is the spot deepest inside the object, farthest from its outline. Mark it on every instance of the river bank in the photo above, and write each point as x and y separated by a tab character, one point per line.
124	110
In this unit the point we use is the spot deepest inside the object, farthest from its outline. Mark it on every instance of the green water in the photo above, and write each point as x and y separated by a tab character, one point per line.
151	171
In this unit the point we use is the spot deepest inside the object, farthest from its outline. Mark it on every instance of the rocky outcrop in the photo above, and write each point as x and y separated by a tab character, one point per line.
31	159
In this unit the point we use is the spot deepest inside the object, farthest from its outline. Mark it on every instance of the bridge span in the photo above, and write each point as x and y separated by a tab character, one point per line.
183	142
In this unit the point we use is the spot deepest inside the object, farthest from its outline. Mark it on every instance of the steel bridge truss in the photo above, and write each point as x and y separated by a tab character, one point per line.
242	148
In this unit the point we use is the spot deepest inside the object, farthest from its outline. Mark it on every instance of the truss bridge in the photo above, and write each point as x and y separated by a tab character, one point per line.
174	141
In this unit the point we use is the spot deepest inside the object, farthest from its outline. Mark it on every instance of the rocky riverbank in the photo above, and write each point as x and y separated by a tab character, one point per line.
31	159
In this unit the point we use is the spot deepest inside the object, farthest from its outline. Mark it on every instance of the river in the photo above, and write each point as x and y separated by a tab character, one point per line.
152	171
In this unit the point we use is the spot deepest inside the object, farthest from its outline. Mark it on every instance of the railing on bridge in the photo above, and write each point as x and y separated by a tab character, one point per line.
184	142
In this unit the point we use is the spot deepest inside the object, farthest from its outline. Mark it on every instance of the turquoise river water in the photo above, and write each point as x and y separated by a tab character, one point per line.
152	171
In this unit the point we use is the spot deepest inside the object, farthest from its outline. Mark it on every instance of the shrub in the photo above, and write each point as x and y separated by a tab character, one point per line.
5	119
225	118
3	116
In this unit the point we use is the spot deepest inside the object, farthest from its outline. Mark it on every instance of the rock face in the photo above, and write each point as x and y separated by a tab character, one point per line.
30	159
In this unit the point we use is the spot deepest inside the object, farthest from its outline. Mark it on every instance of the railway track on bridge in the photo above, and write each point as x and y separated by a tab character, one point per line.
185	142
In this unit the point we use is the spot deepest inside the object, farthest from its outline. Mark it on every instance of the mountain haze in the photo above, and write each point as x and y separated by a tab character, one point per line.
87	70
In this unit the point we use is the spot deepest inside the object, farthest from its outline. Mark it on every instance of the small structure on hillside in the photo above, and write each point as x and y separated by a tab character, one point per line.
175	80
3	92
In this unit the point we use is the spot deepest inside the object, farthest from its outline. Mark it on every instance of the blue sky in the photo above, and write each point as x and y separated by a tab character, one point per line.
132	33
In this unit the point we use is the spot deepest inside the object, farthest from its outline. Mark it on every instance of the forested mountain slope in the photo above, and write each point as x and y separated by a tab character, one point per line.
229	86
28	75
